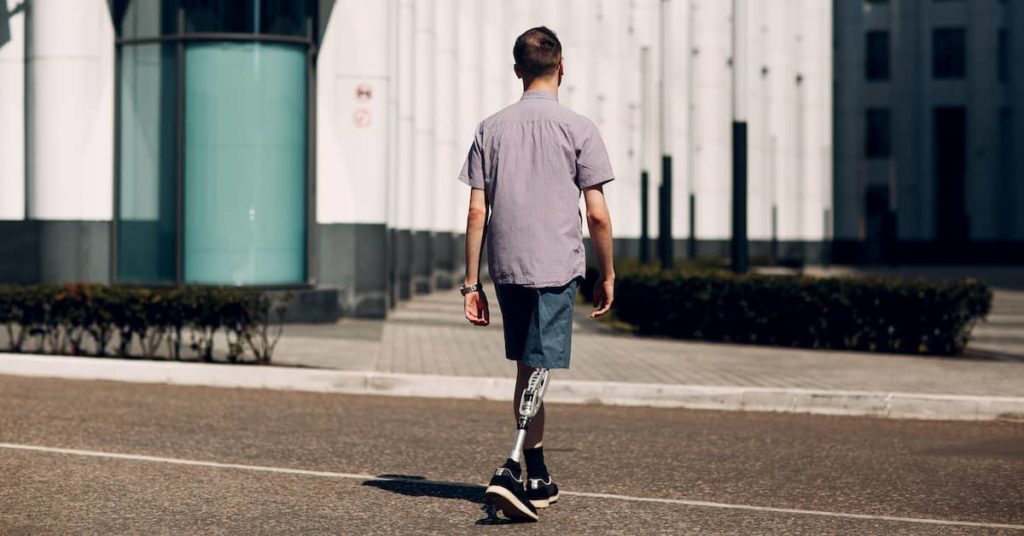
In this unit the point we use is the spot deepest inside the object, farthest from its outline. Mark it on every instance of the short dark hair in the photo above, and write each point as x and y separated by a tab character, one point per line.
537	52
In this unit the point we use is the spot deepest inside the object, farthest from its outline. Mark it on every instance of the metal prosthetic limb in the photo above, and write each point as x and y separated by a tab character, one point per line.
529	405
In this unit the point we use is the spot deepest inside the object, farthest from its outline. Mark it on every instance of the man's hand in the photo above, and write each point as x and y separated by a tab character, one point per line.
604	295
476	308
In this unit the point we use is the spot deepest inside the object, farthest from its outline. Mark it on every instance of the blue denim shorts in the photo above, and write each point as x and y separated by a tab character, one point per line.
538	323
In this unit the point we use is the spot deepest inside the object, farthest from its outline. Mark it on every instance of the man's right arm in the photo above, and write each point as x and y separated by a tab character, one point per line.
599	222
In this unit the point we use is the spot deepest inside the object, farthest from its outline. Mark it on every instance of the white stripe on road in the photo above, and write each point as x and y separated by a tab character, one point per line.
611	496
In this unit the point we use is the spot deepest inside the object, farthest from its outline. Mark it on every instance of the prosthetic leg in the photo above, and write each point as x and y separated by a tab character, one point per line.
506	489
529	405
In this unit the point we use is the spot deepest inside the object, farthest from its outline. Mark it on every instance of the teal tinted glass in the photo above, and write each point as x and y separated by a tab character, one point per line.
245	164
146	209
144	18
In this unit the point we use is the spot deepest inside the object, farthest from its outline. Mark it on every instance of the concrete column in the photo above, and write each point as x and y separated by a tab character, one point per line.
445	166
70	136
405	161
12	110
712	136
424	146
466	100
353	92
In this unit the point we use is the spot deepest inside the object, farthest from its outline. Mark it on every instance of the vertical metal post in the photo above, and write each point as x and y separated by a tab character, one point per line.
740	249
645	239
691	243
645	107
775	234
665	119
113	272
179	157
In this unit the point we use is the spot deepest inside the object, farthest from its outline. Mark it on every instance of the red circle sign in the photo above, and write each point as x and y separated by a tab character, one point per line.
362	117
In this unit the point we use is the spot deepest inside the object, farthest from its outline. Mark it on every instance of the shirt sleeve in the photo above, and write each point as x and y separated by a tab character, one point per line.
473	169
592	164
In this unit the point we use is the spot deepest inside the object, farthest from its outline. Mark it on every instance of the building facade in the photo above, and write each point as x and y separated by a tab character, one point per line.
929	122
315	144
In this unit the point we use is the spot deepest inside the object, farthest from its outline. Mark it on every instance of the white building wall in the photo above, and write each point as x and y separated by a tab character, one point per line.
425	116
445	166
466	99
12	117
403	219
353	92
70	110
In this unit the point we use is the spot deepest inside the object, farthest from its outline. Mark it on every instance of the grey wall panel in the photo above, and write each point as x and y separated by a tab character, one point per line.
422	261
403	263
353	260
74	251
444	260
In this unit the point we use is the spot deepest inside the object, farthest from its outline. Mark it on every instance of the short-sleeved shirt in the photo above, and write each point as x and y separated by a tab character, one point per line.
532	159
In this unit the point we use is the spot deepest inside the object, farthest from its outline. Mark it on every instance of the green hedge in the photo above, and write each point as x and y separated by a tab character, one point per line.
867	314
179	323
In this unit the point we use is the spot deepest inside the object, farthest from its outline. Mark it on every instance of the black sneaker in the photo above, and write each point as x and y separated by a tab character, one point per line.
506	492
542	493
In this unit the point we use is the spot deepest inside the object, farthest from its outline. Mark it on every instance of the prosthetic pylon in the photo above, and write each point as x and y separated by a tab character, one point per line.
529	405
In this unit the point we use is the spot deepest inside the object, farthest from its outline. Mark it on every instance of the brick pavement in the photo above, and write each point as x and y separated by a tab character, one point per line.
428	335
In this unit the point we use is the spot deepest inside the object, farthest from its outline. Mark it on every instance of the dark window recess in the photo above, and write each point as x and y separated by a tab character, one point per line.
277	17
876	54
1003	55
1006	181
949	53
877	135
950	144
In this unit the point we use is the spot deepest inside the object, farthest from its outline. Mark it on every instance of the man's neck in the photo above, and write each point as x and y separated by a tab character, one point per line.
541	85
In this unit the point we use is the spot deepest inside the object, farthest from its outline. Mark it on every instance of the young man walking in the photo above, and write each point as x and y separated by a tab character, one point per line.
527	166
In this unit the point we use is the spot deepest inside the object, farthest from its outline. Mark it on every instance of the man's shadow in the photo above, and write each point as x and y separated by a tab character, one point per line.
417	486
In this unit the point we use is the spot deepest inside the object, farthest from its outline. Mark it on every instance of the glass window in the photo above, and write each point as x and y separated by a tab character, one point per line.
245	165
147	208
144	18
949	53
877	141
279	17
877	55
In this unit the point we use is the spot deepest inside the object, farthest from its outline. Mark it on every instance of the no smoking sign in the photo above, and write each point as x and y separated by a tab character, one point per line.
362	117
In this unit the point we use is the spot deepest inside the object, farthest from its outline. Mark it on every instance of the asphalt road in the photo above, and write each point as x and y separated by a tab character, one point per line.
185	460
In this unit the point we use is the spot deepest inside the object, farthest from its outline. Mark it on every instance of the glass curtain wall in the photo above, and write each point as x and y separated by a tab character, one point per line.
245	141
147	224
212	140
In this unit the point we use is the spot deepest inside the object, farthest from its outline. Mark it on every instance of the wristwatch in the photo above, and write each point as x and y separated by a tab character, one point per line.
475	287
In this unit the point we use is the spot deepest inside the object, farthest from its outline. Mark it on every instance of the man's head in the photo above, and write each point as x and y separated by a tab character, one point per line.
538	53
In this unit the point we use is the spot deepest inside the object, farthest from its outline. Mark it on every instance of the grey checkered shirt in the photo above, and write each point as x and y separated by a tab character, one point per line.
532	159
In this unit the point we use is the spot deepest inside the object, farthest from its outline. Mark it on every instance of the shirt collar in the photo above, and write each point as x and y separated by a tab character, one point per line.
539	94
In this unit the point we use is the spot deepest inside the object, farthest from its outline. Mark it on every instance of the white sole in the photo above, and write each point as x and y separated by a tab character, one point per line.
509	503
544	503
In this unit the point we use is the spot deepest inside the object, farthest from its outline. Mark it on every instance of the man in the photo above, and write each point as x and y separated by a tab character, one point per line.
527	167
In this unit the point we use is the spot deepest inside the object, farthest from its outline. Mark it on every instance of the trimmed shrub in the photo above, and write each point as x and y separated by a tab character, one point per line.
138	322
866	314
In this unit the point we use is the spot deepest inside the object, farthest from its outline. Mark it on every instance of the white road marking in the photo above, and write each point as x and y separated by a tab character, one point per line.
610	496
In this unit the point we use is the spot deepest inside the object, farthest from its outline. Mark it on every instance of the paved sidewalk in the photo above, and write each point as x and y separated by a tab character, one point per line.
428	335
427	349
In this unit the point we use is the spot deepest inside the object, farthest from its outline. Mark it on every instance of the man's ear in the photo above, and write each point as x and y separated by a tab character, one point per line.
561	67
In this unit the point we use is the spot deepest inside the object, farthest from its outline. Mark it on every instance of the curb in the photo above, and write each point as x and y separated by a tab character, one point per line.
825	402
